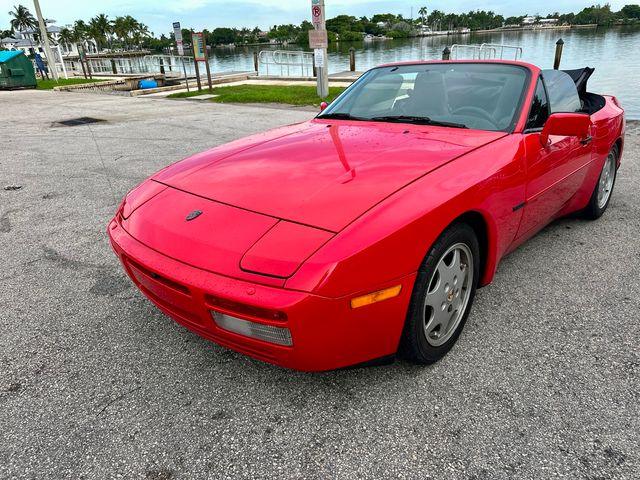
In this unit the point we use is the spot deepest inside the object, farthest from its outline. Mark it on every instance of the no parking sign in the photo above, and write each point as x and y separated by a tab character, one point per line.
317	13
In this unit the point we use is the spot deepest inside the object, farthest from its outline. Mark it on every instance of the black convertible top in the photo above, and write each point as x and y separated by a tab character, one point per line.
580	77
591	102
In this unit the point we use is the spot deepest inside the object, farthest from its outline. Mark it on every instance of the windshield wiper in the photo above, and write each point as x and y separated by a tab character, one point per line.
341	116
417	120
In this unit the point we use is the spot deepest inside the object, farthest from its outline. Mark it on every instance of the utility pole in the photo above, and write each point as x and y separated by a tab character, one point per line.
51	61
318	41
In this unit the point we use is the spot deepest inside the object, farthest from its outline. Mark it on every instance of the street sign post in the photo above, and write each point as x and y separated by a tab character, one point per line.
82	56
319	42
318	39
200	54
177	34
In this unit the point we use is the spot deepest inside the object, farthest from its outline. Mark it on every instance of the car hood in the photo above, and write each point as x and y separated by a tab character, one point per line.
319	173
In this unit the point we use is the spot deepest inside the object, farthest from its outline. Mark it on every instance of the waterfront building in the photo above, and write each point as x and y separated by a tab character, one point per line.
28	42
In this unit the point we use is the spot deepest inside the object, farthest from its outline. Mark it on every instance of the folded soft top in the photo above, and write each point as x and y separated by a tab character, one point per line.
580	77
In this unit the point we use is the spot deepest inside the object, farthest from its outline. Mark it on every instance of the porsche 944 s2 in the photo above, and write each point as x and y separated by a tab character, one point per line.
365	232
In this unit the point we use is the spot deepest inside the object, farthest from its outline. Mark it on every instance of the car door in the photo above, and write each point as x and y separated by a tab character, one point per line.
554	172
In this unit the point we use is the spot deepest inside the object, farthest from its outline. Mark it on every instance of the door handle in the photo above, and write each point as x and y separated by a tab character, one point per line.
586	140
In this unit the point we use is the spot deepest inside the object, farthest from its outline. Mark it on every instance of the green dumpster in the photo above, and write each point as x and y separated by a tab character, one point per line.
16	70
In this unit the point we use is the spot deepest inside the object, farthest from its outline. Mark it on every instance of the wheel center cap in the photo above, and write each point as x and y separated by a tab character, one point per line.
450	295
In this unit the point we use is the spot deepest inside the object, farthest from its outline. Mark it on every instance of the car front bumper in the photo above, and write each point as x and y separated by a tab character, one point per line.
327	333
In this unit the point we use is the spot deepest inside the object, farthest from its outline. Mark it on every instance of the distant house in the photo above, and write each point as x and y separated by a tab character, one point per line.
9	43
528	20
28	42
548	21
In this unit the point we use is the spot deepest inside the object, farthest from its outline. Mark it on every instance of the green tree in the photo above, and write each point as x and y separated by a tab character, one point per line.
65	37
22	19
513	20
387	18
140	32
99	29
423	15
283	33
124	29
222	35
186	35
601	15
303	34
631	11
80	31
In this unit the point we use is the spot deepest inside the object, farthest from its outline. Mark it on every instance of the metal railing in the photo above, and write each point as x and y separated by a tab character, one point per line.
122	65
286	62
486	51
170	65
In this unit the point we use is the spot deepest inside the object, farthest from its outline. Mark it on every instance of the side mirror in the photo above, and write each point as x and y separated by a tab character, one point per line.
568	124
323	106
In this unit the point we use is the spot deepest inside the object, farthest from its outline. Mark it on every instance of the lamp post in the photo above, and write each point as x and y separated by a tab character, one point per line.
51	61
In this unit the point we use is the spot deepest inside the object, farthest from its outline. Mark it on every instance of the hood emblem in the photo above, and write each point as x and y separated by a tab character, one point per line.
194	214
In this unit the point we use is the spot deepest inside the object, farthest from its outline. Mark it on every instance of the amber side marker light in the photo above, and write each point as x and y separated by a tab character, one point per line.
374	297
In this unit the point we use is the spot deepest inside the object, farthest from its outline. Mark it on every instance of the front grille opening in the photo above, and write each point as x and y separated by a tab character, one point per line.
159	278
74	122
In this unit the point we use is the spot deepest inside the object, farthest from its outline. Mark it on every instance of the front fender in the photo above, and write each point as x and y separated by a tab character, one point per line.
392	239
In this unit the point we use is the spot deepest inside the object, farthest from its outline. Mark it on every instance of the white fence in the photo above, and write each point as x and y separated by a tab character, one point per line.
486	51
286	62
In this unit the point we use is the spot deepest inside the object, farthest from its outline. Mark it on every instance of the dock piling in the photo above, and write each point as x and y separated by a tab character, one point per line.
352	59
556	61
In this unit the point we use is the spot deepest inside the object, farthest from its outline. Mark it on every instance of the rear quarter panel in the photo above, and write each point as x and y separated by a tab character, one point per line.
607	128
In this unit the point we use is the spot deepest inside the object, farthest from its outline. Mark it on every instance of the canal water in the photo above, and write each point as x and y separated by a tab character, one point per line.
614	52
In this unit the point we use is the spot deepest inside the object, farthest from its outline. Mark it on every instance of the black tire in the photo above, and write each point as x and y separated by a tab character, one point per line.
594	211
414	345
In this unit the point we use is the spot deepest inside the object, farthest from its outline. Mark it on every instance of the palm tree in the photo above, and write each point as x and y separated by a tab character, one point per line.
66	38
423	13
121	30
99	29
79	30
141	31
22	19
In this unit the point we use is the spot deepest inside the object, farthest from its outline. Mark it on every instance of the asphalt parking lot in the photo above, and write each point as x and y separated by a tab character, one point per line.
97	383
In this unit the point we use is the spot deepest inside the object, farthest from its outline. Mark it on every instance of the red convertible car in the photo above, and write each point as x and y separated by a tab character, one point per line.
364	233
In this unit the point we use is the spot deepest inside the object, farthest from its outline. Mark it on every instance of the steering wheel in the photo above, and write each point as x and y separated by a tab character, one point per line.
475	112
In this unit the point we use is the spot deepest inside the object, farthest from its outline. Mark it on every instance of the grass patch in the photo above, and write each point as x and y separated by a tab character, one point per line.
50	84
288	94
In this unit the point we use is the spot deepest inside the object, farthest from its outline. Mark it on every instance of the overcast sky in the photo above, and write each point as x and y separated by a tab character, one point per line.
209	14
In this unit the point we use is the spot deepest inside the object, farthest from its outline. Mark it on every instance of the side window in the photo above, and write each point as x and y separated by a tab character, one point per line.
563	94
539	111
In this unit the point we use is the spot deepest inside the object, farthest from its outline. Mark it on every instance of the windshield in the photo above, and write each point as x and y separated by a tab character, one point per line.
483	96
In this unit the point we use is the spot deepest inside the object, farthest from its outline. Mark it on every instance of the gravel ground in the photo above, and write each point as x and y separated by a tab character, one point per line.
96	383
